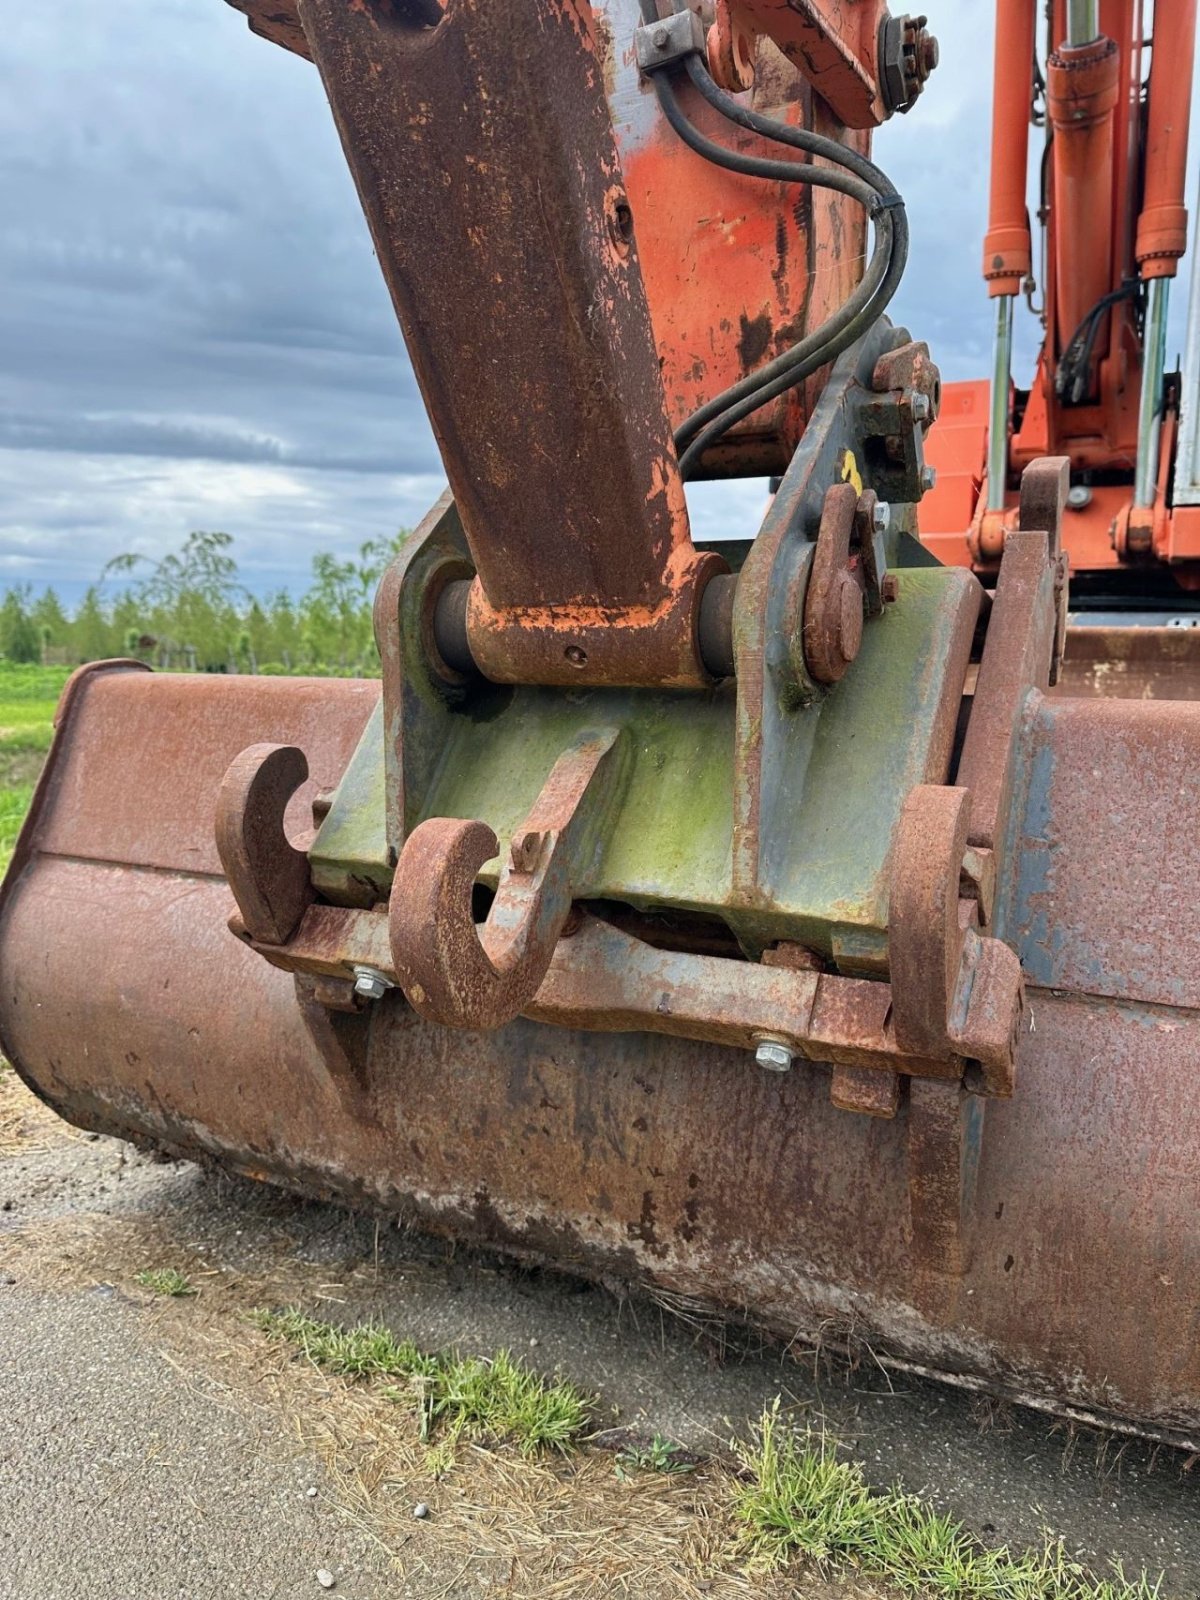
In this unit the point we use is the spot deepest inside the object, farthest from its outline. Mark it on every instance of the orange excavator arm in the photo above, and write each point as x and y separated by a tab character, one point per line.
1114	228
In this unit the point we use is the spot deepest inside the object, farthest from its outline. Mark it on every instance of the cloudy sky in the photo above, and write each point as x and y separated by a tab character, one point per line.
193	331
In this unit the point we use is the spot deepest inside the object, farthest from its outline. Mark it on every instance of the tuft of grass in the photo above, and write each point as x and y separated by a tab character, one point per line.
498	1399
167	1281
660	1455
795	1497
364	1351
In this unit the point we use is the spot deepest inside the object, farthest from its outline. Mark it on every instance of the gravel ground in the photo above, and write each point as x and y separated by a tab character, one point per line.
89	1406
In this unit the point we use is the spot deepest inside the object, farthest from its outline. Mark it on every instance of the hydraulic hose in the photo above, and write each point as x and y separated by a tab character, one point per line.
853	175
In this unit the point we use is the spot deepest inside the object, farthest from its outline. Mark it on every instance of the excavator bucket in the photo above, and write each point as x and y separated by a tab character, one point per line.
771	925
1045	1247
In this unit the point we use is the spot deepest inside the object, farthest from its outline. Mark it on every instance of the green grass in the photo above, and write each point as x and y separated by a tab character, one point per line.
167	1281
796	1497
659	1455
19	681
496	1400
28	697
14	803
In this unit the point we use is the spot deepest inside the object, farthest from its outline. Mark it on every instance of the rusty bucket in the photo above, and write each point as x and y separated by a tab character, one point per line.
1044	1247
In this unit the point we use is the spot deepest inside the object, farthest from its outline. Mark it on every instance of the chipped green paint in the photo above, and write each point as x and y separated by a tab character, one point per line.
823	880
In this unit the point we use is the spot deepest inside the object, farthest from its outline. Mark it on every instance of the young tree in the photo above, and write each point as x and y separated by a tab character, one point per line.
283	631
190	598
90	634
50	620
20	639
129	625
336	611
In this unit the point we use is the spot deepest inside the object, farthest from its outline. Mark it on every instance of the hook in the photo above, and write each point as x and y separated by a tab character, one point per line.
465	975
268	875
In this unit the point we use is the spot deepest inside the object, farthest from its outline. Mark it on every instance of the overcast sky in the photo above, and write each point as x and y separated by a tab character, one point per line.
193	330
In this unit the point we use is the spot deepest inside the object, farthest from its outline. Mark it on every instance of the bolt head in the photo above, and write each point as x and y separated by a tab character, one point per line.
660	38
881	517
772	1055
928	479
1079	496
921	407
369	984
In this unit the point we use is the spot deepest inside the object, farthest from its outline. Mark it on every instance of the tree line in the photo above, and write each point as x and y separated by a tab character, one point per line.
190	610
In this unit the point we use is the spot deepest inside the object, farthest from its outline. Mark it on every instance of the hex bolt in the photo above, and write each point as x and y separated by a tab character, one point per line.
928	479
881	517
889	589
921	408
660	38
370	983
772	1055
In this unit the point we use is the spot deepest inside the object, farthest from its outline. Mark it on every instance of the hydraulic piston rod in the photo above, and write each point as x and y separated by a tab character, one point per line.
998	430
1083	22
1150	409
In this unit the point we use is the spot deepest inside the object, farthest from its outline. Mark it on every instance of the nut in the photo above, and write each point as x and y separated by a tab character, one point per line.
370	983
881	516
928	479
773	1055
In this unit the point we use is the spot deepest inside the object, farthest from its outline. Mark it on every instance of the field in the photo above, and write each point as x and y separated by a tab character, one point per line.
28	695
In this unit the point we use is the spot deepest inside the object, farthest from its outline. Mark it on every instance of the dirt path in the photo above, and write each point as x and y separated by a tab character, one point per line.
158	1448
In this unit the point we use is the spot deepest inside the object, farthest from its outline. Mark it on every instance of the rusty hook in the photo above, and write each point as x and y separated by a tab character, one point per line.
465	975
268	875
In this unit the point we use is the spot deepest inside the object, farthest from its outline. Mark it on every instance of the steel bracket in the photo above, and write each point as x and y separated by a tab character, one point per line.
660	44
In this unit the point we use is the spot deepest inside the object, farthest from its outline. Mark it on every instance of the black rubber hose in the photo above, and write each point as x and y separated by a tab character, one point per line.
824	344
845	182
815	144
859	178
865	183
852	319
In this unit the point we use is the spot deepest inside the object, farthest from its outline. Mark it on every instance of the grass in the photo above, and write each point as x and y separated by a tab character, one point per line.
28	696
795	1496
659	1455
167	1281
496	1400
792	1499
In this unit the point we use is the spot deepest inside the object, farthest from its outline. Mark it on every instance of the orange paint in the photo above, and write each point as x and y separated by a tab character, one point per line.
737	269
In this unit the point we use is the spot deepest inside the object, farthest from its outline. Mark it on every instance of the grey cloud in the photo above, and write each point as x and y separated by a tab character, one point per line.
179	440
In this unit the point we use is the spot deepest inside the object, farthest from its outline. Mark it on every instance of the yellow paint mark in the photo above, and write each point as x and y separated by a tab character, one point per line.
850	472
